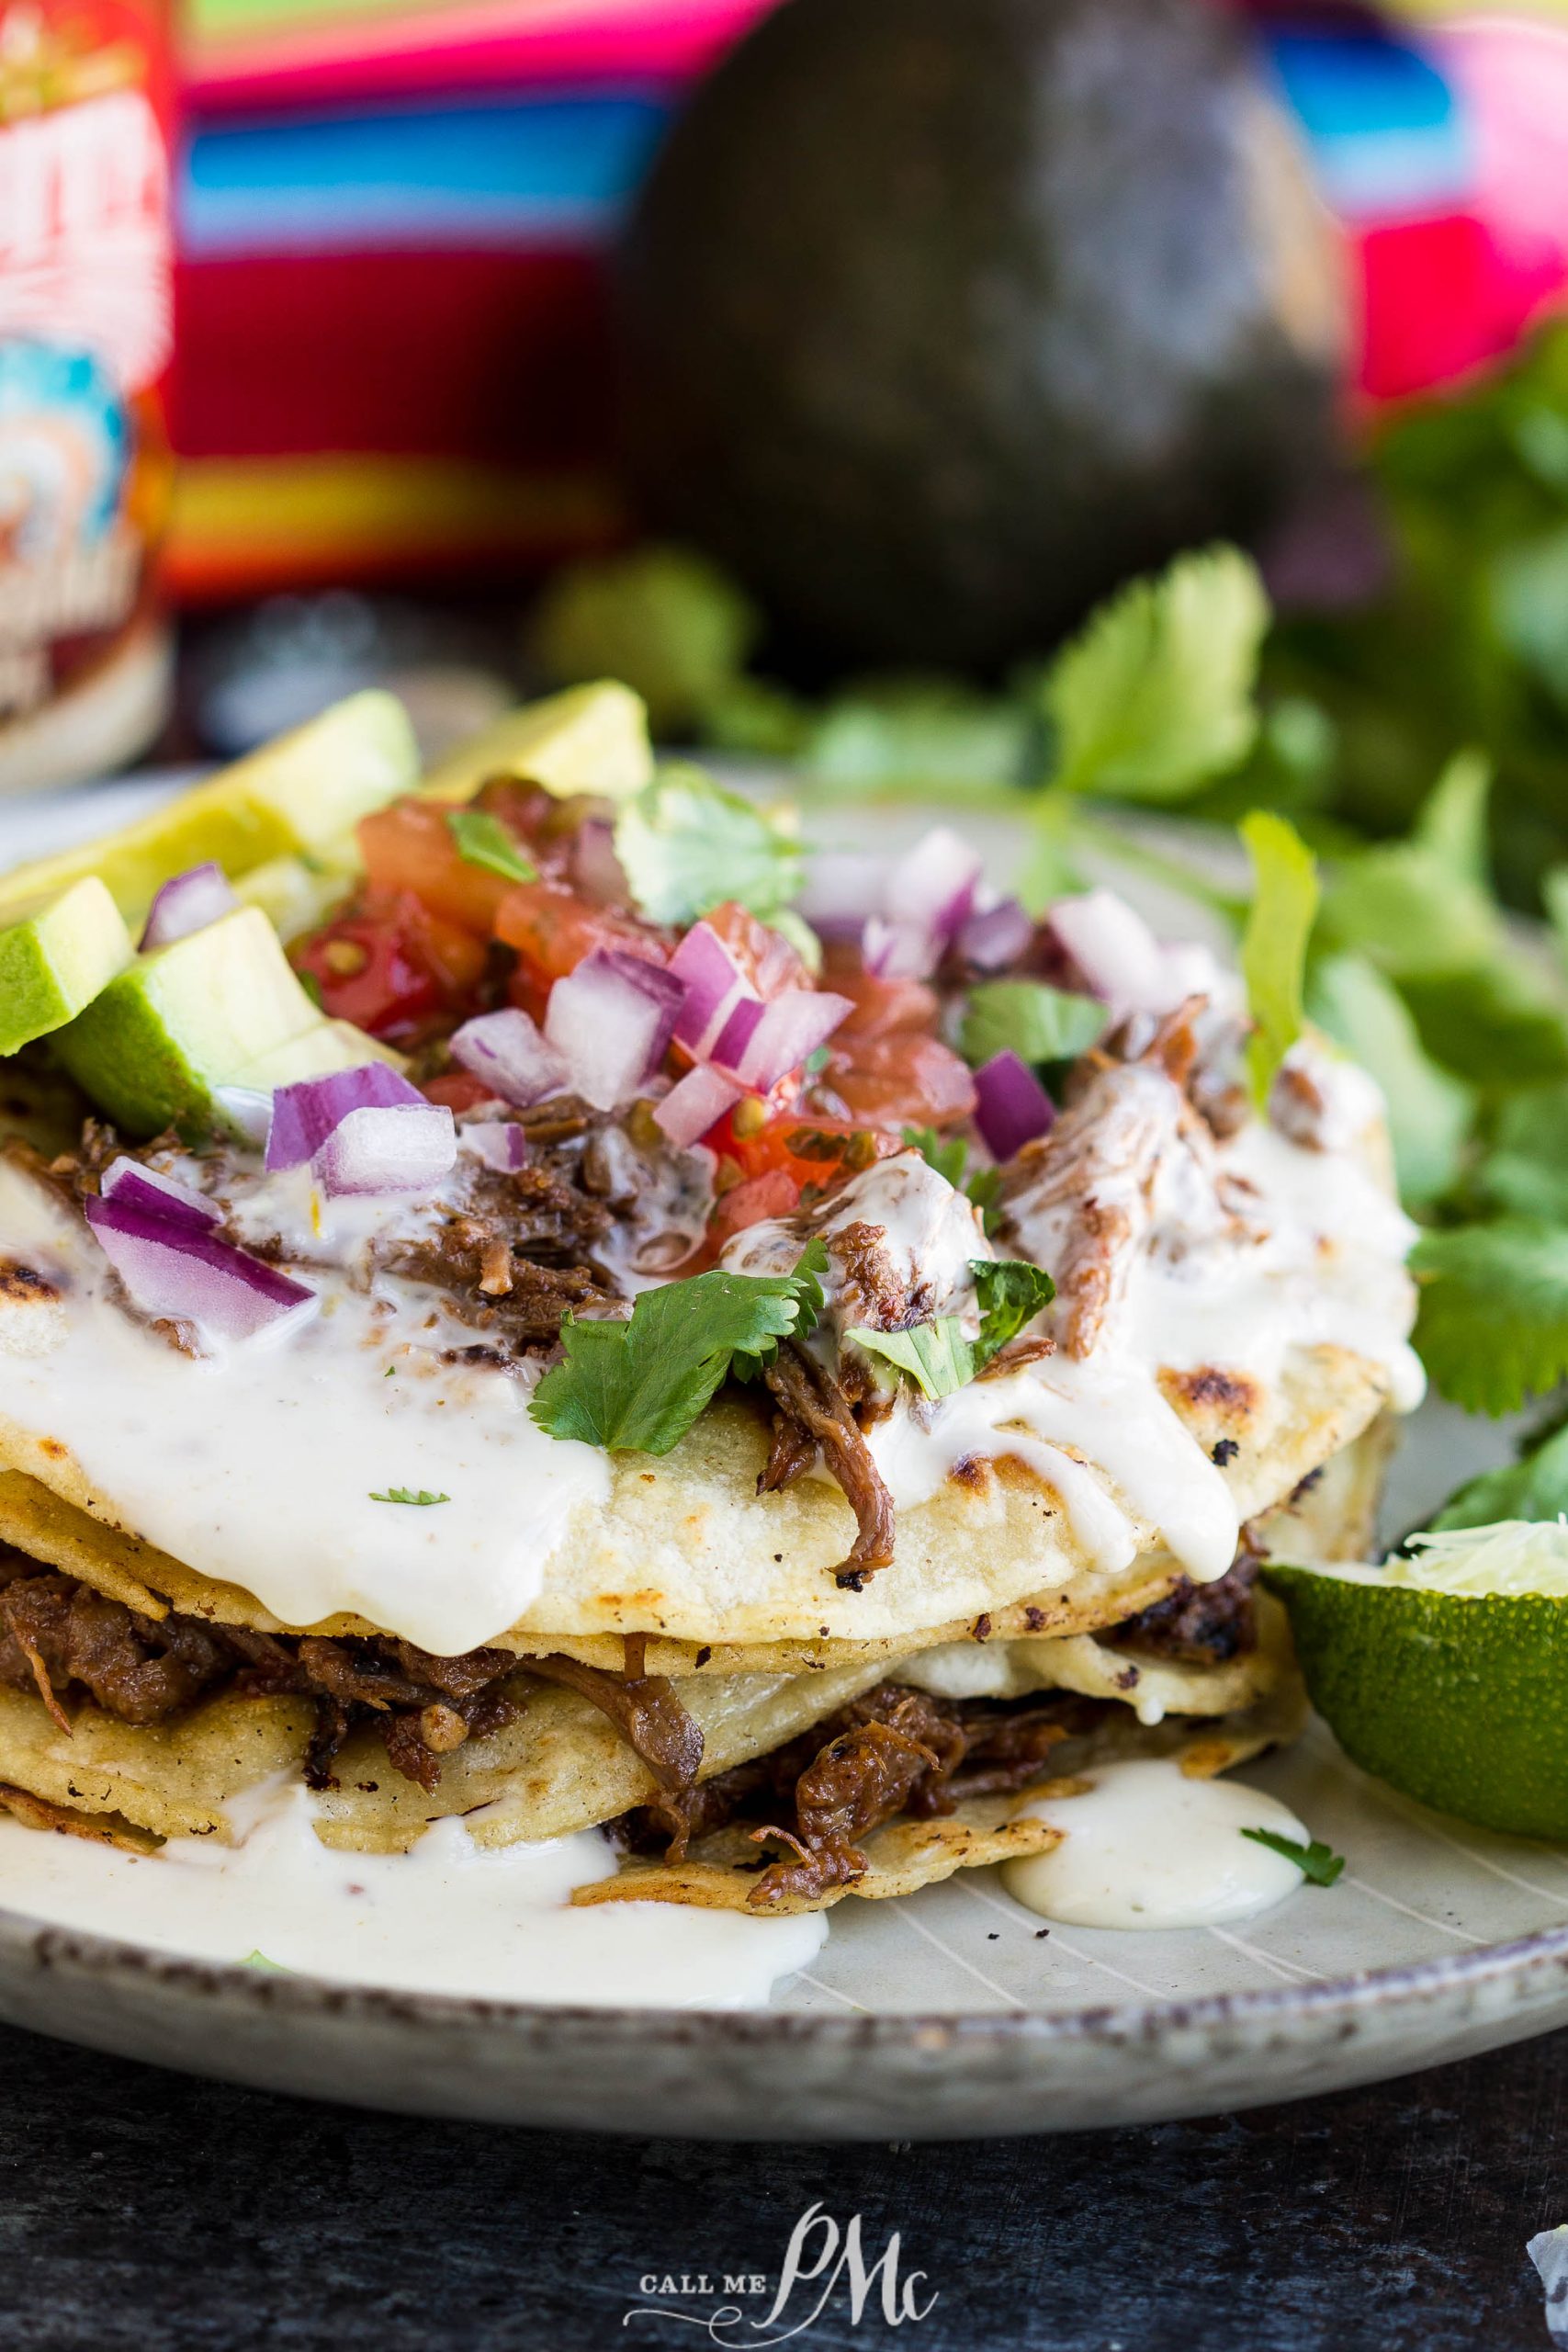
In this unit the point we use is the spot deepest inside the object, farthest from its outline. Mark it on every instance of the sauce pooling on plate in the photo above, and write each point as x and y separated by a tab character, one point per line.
451	1916
1149	1847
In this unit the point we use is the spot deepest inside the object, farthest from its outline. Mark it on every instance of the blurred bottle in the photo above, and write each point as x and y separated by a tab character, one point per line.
85	339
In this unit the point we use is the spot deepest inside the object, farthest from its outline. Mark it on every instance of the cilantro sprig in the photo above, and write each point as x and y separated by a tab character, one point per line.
936	1356
1317	1863
638	1386
1027	1018
1155	695
949	1155
1274	944
686	846
483	839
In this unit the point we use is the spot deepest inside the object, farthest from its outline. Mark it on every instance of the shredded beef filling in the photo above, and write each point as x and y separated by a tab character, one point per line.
1199	1625
811	1410
63	1640
893	1750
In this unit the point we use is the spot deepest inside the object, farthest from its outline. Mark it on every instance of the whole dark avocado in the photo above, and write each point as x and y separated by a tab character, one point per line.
941	317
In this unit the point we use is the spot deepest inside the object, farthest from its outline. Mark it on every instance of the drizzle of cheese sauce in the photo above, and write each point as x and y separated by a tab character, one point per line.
1149	1847
450	1916
258	1463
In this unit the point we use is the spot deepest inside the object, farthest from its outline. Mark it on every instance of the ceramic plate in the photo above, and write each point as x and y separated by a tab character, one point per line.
946	2015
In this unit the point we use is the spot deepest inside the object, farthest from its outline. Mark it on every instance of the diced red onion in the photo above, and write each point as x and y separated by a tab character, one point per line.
506	1050
127	1181
401	1147
931	888
995	937
596	872
690	1108
247	1112
843	887
733	1042
304	1115
1011	1107
781	1036
714	986
1116	955
611	1019
500	1143
893	951
189	903
193	1277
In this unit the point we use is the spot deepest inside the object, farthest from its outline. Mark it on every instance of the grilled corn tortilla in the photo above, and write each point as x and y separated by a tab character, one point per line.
559	1767
719	1873
685	1549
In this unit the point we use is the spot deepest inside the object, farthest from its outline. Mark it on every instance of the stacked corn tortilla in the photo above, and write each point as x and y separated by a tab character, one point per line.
732	1590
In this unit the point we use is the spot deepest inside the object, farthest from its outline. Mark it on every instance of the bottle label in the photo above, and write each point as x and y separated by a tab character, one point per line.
85	337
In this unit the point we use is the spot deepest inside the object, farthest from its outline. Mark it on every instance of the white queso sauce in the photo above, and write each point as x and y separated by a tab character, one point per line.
1147	1846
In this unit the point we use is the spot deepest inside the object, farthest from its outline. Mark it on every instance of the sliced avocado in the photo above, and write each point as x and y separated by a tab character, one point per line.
315	1053
591	739
57	958
193	1015
302	793
295	893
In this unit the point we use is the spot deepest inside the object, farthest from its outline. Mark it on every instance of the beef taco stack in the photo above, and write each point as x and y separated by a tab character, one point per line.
775	1390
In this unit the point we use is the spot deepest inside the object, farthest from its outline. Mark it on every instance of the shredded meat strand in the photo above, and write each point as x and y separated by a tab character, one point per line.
645	1710
1202	1624
893	1750
816	1409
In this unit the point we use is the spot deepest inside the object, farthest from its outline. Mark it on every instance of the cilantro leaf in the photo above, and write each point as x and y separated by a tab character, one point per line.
1535	1486
1317	1863
918	734
1010	1294
805	1286
1494	1023
949	1155
1025	1017
422	1499
668	622
1527	1168
686	846
1429	1111
1274	944
1402	905
936	1356
1451	826
1155	695
1493	1328
637	1386
483	839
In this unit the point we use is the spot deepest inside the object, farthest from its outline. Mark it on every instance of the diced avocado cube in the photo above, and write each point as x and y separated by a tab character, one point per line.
316	1053
316	784
305	792
57	958
152	1045
591	739
297	893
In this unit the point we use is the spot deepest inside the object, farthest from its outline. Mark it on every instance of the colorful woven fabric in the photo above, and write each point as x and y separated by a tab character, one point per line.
393	358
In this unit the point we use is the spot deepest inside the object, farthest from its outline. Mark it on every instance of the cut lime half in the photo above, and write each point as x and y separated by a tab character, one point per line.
1446	1674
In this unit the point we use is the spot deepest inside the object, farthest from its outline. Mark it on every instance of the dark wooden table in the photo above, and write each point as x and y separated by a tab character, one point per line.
142	2210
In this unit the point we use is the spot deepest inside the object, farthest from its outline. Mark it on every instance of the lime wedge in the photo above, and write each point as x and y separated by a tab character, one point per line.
1446	1674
